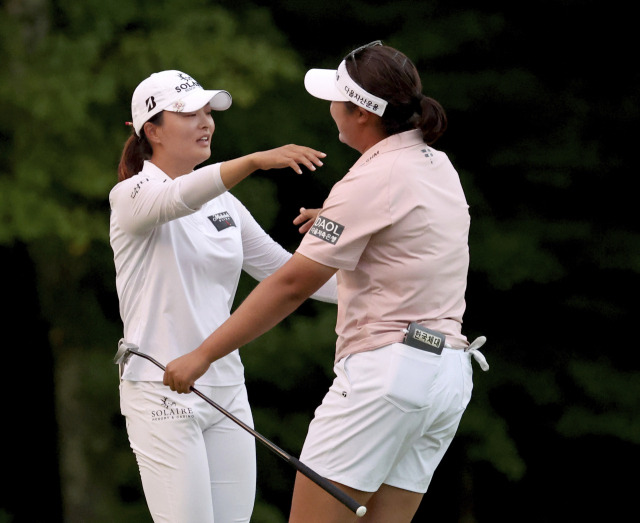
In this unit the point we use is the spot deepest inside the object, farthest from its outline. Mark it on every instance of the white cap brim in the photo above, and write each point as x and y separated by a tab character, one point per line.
321	83
196	99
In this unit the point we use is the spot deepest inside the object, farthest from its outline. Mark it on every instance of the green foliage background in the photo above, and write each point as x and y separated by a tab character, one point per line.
541	125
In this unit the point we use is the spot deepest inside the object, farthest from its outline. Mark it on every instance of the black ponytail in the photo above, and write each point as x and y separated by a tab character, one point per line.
431	120
136	150
390	75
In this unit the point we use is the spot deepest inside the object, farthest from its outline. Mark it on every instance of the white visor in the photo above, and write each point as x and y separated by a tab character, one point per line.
338	86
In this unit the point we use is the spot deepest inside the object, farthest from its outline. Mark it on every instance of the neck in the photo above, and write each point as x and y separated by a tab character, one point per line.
369	138
172	167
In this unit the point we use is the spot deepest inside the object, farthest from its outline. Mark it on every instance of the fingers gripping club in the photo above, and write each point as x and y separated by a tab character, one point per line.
125	350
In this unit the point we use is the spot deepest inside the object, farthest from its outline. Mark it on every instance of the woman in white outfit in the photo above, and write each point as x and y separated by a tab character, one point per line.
180	242
395	228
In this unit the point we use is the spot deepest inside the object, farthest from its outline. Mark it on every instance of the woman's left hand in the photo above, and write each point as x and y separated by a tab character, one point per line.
181	373
306	217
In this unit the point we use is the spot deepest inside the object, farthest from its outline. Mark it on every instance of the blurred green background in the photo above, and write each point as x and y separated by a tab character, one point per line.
542	100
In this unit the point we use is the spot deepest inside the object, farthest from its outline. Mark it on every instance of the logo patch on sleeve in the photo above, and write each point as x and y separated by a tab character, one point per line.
222	220
326	230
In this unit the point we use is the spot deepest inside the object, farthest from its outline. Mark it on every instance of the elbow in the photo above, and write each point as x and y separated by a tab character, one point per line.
299	278
295	290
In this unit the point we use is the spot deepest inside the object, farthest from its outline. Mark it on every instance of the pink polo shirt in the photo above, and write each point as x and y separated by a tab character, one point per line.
396	226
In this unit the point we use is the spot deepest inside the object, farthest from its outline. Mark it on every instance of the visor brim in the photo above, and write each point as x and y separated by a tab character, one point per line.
321	83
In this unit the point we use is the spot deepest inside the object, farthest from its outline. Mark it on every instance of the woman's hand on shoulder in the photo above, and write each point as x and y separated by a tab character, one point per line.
289	156
306	217
236	170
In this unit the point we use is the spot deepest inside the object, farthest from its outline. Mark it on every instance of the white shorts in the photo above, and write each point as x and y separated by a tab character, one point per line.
195	463
389	417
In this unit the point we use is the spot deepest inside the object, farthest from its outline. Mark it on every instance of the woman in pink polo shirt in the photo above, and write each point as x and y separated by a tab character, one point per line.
395	230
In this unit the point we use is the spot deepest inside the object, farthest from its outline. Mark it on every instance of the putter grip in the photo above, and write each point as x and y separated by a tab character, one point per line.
341	496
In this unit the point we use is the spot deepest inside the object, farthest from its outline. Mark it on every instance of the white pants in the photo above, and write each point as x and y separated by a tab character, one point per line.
196	465
389	417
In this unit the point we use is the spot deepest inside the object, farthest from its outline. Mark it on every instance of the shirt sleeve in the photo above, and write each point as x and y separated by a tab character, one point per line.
356	208
262	256
143	202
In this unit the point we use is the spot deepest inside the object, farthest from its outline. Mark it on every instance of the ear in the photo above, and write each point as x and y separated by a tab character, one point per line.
367	119
362	115
151	130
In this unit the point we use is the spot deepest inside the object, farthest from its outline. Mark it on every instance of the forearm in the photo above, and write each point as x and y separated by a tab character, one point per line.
234	171
260	312
270	302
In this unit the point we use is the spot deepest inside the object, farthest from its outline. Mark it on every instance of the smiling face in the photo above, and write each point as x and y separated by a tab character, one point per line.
182	141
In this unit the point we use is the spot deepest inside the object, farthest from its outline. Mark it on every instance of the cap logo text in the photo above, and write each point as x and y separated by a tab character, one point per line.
151	103
187	83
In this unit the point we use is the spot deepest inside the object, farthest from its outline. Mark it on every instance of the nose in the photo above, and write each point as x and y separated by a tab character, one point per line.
210	123
206	119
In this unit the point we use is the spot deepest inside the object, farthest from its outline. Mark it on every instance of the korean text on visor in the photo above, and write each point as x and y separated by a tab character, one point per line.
357	94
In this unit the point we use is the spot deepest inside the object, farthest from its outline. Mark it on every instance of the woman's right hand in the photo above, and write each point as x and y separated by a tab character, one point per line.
289	156
307	217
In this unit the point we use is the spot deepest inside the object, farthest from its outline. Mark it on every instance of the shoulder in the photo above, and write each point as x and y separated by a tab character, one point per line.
148	176
129	188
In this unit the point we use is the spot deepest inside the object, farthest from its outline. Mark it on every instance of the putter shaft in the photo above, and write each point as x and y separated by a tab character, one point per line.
322	482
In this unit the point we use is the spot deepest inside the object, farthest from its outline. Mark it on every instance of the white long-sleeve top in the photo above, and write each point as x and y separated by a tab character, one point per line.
179	249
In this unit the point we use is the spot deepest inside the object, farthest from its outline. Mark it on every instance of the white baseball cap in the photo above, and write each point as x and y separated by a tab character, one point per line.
338	86
172	91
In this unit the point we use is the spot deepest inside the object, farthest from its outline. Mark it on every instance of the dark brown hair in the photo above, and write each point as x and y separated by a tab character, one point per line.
136	150
388	74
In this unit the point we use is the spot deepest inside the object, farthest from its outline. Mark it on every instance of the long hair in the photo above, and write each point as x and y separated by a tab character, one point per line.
136	150
390	75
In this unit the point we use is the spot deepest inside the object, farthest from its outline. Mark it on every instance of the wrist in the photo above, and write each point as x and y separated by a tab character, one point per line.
207	352
254	162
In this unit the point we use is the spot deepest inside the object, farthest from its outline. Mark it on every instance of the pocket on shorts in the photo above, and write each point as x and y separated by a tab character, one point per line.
411	376
342	382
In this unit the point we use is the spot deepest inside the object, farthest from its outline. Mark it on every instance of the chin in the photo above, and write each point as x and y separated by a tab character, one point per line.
345	141
205	156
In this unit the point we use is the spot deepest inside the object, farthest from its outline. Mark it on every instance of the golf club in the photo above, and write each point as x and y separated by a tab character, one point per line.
125	350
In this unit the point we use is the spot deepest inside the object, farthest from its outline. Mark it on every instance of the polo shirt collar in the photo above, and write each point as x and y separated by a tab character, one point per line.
391	143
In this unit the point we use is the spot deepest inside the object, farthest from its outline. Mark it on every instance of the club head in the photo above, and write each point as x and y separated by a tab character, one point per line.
124	352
